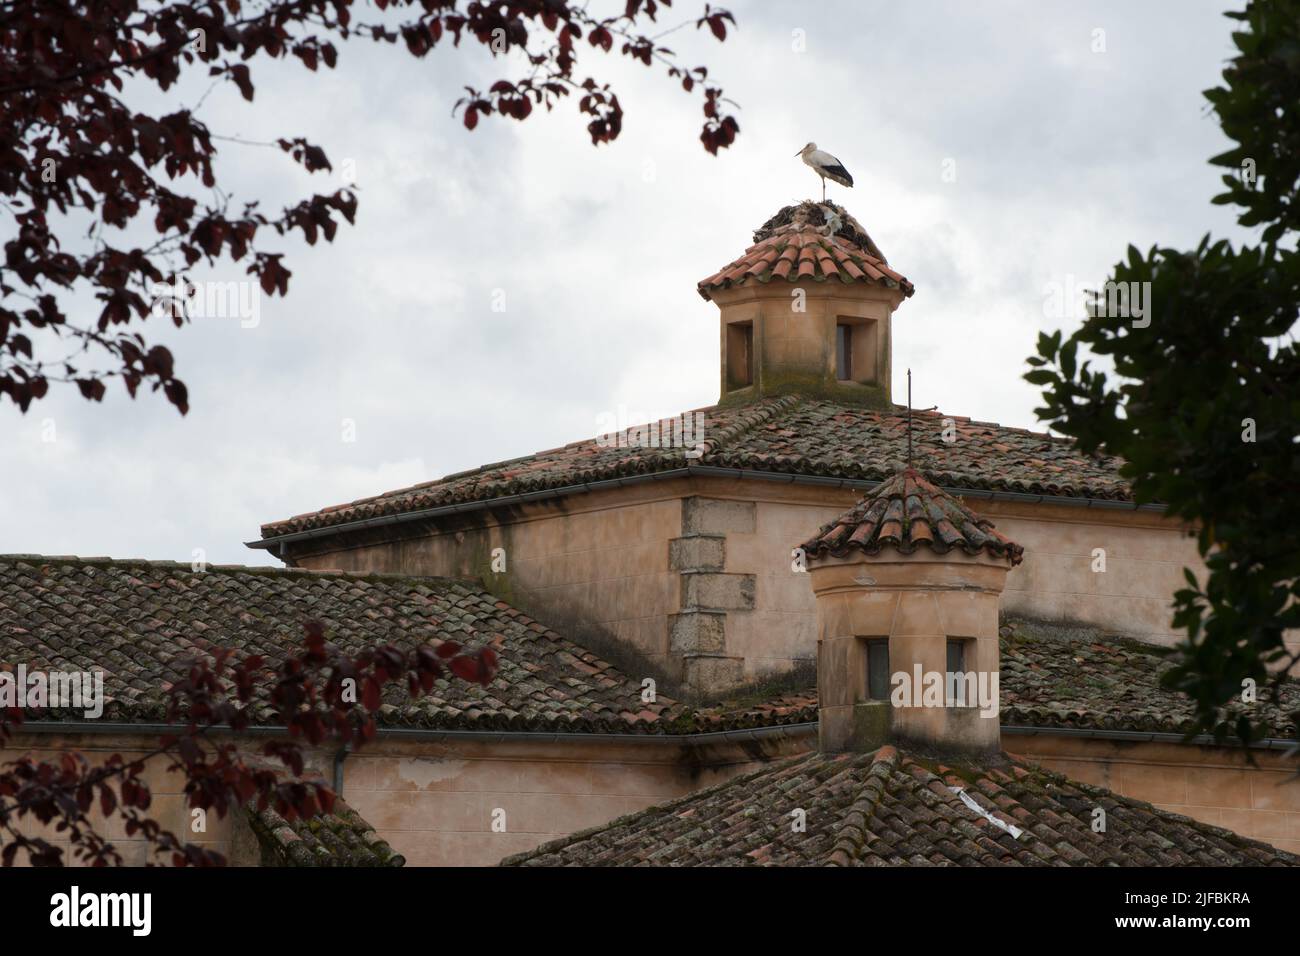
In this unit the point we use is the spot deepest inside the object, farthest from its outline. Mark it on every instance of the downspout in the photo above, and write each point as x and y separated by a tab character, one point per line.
339	757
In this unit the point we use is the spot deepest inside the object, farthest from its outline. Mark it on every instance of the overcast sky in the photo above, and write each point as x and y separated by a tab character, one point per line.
1062	157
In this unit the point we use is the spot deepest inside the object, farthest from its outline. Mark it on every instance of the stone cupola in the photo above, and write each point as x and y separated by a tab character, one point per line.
807	309
908	583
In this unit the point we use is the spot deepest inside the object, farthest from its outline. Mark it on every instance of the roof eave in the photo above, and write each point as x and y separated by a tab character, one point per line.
273	542
698	738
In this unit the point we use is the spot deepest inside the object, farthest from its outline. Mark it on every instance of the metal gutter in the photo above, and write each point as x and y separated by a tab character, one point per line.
807	728
423	735
748	474
462	508
1143	736
689	740
339	757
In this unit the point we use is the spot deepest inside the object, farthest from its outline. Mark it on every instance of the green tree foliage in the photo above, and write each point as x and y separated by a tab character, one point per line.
1199	395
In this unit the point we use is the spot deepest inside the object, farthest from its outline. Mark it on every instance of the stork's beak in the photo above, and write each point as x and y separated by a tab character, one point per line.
798	151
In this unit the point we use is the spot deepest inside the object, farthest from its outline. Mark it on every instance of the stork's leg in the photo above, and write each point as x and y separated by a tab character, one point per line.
823	189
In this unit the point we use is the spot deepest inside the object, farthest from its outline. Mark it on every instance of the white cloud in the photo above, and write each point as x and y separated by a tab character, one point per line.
1063	157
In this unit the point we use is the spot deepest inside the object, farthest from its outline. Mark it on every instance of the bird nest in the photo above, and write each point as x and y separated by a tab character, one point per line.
827	218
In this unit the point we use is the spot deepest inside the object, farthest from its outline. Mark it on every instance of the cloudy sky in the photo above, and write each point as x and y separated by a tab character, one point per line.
1063	155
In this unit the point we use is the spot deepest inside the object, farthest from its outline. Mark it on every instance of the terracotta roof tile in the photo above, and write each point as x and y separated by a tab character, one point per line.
338	838
907	512
817	241
1108	683
893	808
792	707
141	621
790	435
1096	682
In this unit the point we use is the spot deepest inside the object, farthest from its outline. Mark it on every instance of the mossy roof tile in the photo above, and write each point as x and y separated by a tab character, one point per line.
337	838
797	435
879	809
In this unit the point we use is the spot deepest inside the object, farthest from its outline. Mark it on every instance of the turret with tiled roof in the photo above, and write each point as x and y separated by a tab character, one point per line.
809	240
907	512
908	583
807	309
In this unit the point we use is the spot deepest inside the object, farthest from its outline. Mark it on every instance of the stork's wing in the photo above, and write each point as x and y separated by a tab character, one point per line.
835	171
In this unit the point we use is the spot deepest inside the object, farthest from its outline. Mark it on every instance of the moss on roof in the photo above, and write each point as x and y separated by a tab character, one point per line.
337	838
788	435
891	808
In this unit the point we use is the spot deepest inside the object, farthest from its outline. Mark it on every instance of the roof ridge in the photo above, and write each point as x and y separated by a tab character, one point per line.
748	422
904	512
1101	793
852	832
657	809
259	569
299	842
487	467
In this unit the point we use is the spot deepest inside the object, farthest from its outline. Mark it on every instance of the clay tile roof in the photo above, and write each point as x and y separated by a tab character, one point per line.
141	622
338	838
776	710
1103	682
1080	679
906	513
892	808
810	240
787	435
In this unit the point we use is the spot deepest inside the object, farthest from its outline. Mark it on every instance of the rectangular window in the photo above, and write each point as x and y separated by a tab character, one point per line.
956	657
960	689
857	357
878	668
740	354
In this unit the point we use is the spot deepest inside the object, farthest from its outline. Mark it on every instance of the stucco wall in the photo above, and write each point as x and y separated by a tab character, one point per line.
168	806
794	338
1145	555
434	802
593	567
464	803
603	567
917	603
447	805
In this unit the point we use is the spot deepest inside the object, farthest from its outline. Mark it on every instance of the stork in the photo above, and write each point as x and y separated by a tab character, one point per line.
826	166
